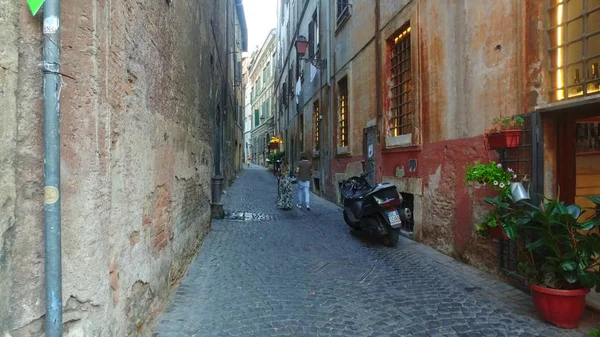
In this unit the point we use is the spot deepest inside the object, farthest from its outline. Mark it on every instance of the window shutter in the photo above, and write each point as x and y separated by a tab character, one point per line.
311	39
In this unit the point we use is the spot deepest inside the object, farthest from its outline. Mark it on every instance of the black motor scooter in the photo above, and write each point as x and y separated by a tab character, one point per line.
374	209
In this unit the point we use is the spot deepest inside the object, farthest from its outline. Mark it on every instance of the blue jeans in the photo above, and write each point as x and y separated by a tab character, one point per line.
304	193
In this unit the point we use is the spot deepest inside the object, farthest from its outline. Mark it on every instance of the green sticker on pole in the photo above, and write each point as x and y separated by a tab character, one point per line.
35	5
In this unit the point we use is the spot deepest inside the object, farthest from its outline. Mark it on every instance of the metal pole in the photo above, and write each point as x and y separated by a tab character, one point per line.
52	86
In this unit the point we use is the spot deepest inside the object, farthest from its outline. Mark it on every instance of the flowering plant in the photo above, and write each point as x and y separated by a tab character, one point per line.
491	174
494	175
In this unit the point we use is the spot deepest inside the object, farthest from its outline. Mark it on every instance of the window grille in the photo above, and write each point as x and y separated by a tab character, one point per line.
574	34
343	109
402	108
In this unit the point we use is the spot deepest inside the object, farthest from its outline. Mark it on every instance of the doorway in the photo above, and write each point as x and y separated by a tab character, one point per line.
369	143
578	160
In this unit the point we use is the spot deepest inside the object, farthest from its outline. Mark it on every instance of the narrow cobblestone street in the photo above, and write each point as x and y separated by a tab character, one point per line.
268	272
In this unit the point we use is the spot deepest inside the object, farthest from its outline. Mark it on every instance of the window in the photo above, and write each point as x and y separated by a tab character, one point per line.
266	110
313	35
574	48
401	103
343	111
267	71
238	71
342	9
256	118
317	118
284	94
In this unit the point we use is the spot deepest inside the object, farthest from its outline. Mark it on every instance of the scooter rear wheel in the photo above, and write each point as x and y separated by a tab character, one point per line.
391	239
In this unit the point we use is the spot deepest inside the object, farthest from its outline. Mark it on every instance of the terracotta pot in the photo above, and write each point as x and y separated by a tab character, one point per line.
498	233
563	308
504	139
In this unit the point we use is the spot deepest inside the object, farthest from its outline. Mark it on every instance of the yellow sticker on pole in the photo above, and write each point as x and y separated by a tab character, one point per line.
50	195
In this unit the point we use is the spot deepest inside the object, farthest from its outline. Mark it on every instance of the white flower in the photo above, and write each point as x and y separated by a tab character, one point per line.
499	165
510	170
515	176
495	183
502	185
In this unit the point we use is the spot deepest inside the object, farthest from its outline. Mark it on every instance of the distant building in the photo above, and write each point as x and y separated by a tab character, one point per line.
261	85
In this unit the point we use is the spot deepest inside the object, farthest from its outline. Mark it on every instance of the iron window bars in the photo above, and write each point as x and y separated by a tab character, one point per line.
402	108
343	108
574	34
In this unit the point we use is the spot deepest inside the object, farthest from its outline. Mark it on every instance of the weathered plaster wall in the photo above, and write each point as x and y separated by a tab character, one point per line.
137	120
470	70
21	228
469	66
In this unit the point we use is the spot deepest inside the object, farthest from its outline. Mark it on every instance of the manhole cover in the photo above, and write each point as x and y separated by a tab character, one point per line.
343	271
248	216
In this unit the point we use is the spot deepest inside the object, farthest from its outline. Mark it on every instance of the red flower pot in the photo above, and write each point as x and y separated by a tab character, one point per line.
498	233
504	139
562	308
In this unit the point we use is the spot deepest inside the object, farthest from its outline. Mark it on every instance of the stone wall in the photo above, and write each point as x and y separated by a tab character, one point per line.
137	110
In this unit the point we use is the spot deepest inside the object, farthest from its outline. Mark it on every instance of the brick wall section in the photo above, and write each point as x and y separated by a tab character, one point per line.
136	134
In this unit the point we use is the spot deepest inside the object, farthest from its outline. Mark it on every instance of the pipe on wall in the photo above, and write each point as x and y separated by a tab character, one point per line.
330	120
52	219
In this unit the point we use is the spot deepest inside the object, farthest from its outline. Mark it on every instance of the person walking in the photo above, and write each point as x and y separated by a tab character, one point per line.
284	195
304	171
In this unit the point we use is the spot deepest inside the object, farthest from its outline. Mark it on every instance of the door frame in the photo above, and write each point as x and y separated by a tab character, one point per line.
565	147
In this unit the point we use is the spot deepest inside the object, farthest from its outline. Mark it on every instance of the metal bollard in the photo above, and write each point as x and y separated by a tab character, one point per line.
217	191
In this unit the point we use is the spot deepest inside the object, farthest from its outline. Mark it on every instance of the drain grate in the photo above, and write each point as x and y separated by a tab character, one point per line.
248	216
346	272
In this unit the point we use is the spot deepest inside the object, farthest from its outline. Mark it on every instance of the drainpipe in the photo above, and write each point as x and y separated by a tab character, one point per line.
380	130
330	64
52	86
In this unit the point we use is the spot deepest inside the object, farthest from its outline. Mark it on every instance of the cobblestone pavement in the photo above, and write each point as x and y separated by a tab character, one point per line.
301	273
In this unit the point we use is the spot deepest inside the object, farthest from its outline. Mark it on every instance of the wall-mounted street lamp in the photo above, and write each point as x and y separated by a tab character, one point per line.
301	46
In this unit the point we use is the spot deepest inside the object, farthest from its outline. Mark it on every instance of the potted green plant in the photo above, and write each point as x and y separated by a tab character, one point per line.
505	133
560	258
498	223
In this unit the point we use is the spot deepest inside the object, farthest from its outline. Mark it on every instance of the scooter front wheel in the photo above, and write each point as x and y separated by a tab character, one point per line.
350	223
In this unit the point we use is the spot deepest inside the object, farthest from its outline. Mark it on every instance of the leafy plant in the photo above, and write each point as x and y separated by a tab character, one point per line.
506	214
507	123
560	250
595	333
273	157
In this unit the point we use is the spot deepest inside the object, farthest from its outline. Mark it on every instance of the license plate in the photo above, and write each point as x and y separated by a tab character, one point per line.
394	217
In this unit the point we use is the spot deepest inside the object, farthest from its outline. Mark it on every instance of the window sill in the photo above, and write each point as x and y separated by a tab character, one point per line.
342	151
399	141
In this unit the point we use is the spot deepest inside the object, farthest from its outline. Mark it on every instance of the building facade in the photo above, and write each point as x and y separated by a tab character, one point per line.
148	106
260	82
411	86
247	110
